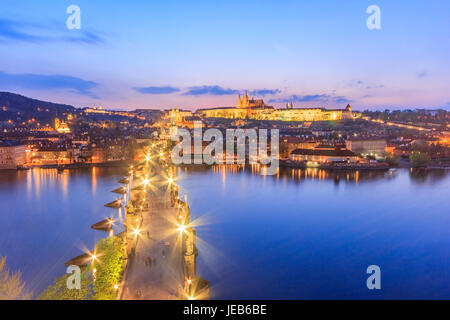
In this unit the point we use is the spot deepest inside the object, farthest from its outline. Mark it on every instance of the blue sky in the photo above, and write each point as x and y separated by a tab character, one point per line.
159	54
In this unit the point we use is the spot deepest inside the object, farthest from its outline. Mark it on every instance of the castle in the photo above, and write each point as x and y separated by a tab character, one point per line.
245	102
256	109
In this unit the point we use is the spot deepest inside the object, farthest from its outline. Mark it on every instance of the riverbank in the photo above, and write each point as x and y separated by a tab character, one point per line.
303	165
120	163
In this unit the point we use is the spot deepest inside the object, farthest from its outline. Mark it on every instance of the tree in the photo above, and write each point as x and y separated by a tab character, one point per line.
60	291
391	158
11	285
108	272
418	158
109	268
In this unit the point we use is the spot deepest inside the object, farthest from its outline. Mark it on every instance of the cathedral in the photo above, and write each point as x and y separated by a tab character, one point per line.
245	102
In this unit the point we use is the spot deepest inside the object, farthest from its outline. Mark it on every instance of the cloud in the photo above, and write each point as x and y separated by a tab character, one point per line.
422	74
362	84
157	90
322	98
47	82
86	37
219	91
264	92
375	86
19	31
341	99
210	90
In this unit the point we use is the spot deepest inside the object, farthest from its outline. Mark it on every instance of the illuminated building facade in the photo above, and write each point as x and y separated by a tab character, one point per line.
256	109
61	126
12	155
323	156
375	147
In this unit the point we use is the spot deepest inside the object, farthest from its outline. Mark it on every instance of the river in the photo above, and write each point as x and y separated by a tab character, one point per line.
302	234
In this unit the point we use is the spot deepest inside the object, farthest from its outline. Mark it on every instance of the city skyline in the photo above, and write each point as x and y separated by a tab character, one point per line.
195	55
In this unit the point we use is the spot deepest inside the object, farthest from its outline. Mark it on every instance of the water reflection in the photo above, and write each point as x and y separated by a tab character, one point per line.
46	218
311	233
281	236
296	174
316	174
422	176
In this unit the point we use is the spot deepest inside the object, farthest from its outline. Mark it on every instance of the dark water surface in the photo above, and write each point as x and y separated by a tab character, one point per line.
45	218
301	234
312	234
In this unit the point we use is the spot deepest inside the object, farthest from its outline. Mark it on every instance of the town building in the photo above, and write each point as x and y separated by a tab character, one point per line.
323	156
12	154
290	143
367	146
51	155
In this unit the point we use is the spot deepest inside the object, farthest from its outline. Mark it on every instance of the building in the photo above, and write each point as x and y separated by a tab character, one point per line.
323	156
367	146
246	108
245	102
61	126
290	143
99	154
256	109
12	154
51	155
178	116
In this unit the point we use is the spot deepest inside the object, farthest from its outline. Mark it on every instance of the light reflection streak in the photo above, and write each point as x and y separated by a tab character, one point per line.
94	180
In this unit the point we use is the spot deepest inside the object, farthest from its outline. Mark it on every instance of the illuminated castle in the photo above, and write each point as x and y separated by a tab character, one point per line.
256	109
245	102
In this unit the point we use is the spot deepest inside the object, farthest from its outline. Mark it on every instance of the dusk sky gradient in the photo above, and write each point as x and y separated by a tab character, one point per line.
159	54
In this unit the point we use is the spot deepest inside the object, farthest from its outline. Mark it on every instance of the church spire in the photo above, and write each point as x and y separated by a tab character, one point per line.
245	100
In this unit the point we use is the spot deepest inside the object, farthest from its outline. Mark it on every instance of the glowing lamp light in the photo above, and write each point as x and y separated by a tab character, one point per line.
181	228
191	298
116	286
136	232
146	182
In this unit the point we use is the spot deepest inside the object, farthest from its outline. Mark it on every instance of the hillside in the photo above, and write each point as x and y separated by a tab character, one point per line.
20	108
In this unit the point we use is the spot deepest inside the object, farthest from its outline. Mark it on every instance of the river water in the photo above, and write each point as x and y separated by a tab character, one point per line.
302	234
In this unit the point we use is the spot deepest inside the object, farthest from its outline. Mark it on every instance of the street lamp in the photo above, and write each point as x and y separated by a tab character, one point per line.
181	228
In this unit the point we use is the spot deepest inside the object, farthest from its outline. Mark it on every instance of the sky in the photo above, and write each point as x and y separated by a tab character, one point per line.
203	53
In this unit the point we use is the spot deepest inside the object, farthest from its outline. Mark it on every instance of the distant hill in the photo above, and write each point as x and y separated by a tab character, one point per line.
20	108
